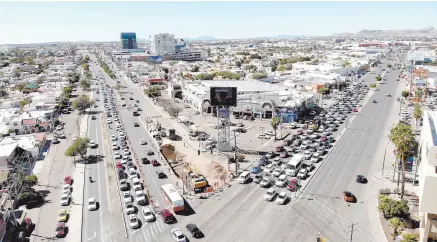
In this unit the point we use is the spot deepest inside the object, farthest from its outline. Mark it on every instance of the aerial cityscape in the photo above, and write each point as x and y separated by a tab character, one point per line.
141	127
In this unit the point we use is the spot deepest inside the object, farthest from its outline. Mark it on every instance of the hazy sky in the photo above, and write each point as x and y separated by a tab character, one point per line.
34	22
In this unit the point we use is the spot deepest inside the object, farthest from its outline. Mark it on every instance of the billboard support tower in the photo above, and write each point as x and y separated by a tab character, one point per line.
221	98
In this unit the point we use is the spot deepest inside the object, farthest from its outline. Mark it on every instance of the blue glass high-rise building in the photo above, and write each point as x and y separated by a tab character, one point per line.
128	40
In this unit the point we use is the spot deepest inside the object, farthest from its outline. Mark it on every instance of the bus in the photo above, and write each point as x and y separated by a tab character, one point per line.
172	197
294	165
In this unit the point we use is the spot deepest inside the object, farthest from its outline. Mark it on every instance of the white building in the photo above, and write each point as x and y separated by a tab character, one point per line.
428	178
164	44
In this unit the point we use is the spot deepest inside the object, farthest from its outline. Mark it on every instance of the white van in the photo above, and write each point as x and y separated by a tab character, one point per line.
136	183
244	177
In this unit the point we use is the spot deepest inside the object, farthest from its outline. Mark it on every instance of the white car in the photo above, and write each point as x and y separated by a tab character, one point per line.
266	181
143	142
282	198
59	128
127	197
269	155
109	121
122	137
117	155
307	154
130	208
115	146
132	173
302	173
124	160
268	168
113	138
92	144
270	194
280	182
133	221
126	152
178	235
148	214
65	199
277	172
92	204
263	136
140	196
66	188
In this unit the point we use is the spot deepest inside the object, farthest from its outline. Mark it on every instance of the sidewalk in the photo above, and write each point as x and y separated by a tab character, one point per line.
77	203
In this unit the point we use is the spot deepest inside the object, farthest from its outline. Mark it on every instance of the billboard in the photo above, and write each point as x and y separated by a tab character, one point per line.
154	59
223	96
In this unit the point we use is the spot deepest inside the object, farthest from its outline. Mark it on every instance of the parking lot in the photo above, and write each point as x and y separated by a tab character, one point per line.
294	160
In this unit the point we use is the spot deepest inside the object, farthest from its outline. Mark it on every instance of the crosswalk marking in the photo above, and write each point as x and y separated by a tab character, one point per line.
149	231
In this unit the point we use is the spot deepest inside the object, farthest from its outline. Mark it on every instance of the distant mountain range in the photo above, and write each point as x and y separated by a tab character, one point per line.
429	32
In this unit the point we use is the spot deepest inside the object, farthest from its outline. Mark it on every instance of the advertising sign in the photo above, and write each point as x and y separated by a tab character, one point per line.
154	59
223	96
223	113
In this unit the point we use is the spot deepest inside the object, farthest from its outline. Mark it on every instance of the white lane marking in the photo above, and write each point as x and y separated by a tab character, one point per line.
99	188
134	231
95	234
145	234
152	230
160	225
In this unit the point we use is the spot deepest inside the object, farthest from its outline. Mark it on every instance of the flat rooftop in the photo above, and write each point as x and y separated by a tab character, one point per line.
244	86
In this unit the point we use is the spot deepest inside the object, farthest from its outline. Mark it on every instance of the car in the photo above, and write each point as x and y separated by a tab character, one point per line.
130	208
263	136
60	230
269	168
65	199
62	215
92	204
145	161
113	138
133	221
284	154
117	155
266	181
270	194
108	121
178	235
280	182
136	124
373	101
293	185
124	185
92	144
161	174
127	197
143	142
148	215
66	188
195	232
269	132
150	152
155	163
59	128
348	196
67	180
257	178
140	197
115	146
302	173
282	198
270	155
307	155
277	172
126	152
361	179
255	170
93	117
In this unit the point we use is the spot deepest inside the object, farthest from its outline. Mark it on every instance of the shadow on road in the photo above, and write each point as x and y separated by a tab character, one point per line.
187	211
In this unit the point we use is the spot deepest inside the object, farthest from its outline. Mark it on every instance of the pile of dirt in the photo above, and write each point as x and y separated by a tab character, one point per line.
217	170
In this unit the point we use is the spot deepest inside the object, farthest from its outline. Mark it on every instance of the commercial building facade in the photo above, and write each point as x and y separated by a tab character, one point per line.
164	44
428	178
128	40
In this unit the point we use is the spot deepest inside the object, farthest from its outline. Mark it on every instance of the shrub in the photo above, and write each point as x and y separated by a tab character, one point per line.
407	237
392	208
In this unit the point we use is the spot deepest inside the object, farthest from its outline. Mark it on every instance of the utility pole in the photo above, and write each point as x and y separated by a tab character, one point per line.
383	162
352	231
235	154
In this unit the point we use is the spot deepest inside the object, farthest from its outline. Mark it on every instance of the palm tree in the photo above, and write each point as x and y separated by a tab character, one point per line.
402	137
417	113
275	123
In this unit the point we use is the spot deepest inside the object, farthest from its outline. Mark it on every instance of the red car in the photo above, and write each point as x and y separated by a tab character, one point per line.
60	230
355	110
279	148
155	163
293	185
323	139
118	164
67	180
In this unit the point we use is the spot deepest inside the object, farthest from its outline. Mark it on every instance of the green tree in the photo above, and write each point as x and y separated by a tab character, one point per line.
82	102
79	147
405	93
378	78
238	64
17	72
31	180
250	68
396	224
392	208
407	237
275	122
417	113
402	137
67	90
23	103
85	84
365	67
258	76
323	90
418	93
